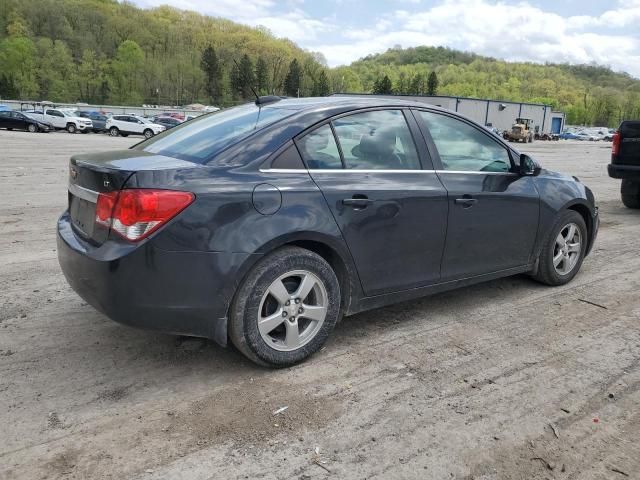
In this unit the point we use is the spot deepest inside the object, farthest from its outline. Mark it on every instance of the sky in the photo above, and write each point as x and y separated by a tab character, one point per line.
574	31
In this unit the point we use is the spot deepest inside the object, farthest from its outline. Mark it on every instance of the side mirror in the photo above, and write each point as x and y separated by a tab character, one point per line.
528	166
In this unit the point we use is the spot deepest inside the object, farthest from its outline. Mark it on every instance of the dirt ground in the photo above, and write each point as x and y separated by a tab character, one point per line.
505	380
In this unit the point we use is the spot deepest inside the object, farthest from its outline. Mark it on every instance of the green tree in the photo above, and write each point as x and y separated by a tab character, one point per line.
126	73
247	77
432	84
235	82
321	86
18	60
417	85
213	75
55	71
262	76
90	76
293	79
383	86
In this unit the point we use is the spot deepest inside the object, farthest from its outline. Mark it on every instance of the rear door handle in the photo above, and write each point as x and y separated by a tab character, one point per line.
357	202
466	202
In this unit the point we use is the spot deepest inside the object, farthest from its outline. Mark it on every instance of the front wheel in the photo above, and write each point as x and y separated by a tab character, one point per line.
286	307
148	133
630	193
32	128
114	132
563	251
71	128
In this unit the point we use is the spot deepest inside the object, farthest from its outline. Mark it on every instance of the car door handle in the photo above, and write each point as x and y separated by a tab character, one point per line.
466	202
357	202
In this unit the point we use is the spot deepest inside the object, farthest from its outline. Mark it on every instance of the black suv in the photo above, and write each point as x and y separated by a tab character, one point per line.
625	161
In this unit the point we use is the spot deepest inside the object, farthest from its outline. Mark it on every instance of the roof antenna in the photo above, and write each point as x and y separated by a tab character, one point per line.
250	86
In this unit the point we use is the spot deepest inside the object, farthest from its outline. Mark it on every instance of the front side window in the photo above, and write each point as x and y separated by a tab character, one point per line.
464	148
54	113
376	140
319	149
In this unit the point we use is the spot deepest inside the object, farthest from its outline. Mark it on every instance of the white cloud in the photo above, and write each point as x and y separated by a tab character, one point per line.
504	30
295	25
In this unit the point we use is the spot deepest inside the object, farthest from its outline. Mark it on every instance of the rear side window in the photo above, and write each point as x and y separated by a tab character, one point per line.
319	149
377	140
206	136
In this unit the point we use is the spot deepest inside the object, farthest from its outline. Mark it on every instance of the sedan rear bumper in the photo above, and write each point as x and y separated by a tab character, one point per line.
181	293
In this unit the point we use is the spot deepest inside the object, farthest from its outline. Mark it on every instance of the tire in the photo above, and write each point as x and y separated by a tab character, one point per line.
71	128
114	132
148	133
32	128
253	300
630	193
569	265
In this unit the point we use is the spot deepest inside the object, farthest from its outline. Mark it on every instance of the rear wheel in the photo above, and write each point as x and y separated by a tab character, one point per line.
563	251
630	193
148	133
114	132
286	307
71	128
32	128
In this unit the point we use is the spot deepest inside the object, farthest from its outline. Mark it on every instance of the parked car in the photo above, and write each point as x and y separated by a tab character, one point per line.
264	224
4	108
19	121
569	136
132	125
625	162
61	119
98	120
167	122
585	136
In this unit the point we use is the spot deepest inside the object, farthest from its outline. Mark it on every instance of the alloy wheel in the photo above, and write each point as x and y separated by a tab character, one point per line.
292	310
567	249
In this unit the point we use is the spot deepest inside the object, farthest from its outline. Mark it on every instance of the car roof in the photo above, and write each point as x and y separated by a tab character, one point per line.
319	103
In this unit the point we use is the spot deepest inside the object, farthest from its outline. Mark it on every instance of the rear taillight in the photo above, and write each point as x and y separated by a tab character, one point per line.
615	147
134	214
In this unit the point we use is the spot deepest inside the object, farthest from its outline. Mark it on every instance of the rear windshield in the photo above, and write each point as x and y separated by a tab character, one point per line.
200	139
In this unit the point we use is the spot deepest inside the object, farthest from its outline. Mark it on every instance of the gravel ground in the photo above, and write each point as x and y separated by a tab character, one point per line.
505	380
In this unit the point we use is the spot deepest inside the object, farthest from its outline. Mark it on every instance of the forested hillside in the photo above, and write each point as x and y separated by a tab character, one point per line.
101	51
589	94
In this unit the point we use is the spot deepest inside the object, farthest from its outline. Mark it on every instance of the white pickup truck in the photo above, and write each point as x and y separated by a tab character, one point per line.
62	119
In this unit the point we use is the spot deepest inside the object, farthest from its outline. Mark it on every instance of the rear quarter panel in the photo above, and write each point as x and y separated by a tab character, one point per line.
223	218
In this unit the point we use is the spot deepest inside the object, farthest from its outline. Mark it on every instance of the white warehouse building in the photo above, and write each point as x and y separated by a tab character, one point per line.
498	114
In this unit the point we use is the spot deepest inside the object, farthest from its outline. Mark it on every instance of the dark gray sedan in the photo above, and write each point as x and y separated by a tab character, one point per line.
266	223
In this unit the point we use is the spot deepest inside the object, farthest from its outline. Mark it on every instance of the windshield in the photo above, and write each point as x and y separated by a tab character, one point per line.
144	120
200	139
